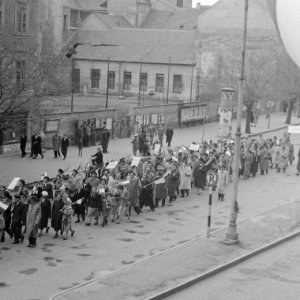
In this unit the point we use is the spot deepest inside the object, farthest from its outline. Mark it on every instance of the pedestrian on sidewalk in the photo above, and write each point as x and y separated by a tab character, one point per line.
23	143
133	193
105	138
169	135
33	140
89	135
32	221
64	145
56	144
37	147
93	134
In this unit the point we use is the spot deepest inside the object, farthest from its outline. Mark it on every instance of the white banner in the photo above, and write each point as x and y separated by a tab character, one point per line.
294	129
13	183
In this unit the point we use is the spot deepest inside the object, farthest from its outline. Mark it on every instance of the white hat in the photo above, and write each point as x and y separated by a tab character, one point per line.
44	193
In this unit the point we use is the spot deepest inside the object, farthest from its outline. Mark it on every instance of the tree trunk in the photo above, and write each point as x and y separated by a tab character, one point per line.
248	119
289	111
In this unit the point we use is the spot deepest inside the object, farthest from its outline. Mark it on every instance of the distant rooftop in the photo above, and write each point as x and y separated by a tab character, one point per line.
153	46
87	5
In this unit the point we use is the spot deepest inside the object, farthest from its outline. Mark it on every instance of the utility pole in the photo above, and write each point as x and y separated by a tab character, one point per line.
72	83
192	78
231	234
107	83
141	63
169	67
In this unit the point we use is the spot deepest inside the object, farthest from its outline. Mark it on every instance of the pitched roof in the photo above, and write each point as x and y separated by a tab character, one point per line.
153	46
229	15
86	4
100	21
180	19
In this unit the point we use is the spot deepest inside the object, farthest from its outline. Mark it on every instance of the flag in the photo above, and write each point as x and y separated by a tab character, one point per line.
80	201
160	180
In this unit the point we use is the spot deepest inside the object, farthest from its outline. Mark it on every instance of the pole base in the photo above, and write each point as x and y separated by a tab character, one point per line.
231	238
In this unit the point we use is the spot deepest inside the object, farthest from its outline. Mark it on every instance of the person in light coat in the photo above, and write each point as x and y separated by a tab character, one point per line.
32	221
185	179
284	159
223	180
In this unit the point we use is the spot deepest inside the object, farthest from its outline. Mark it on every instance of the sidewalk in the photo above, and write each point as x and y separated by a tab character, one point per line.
160	272
31	170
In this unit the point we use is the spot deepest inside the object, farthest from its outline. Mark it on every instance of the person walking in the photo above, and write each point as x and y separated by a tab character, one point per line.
105	138
37	147
93	134
89	135
284	159
56	215
94	204
32	221
56	144
185	178
223	180
45	213
67	218
160	133
169	135
298	164
133	193
23	143
64	145
17	219
33	139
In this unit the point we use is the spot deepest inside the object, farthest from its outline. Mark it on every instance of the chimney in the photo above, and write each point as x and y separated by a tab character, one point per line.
143	8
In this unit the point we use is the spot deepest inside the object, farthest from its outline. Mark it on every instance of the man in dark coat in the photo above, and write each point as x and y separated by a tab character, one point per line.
97	158
17	219
169	134
23	142
64	145
105	138
45	213
47	186
33	139
37	147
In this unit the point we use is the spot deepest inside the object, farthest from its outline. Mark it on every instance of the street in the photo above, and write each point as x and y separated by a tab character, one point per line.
95	251
274	274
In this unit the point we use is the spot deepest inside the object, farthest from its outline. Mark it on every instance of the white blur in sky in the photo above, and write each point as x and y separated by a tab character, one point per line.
204	2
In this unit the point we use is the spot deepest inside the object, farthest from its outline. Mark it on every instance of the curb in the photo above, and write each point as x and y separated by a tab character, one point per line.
55	296
221	268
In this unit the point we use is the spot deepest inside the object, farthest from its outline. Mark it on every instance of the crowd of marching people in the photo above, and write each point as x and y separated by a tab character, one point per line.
108	192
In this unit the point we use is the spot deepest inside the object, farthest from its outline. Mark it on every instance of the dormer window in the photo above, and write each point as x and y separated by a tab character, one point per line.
179	3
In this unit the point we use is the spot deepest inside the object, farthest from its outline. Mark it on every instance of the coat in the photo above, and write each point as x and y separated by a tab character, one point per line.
56	141
56	216
284	158
45	213
33	219
185	177
133	192
160	189
199	175
18	214
223	179
64	144
169	134
265	157
173	180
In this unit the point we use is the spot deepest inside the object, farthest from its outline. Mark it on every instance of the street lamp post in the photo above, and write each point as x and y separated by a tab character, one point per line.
231	234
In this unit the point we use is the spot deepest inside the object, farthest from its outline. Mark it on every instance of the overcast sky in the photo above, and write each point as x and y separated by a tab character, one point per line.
204	2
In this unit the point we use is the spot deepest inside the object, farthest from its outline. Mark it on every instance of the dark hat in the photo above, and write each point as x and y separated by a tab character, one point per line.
47	177
93	172
60	171
16	196
75	171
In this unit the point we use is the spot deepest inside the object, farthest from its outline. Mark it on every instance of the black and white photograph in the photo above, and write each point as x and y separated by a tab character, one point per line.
149	149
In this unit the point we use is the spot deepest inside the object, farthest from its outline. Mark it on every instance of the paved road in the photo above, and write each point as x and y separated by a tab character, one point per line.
274	274
94	251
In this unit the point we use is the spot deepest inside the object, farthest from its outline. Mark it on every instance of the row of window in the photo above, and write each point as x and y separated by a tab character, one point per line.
127	81
21	14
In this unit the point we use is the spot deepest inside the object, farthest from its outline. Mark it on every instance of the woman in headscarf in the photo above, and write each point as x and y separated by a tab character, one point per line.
67	218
